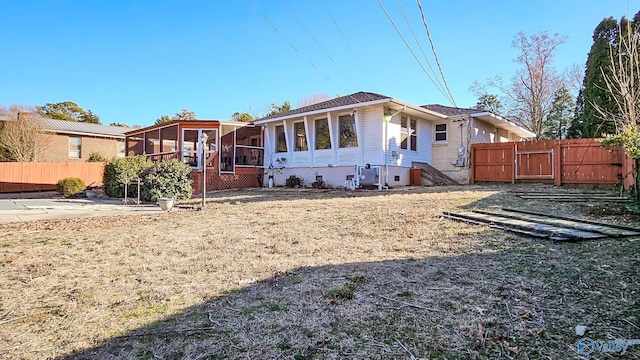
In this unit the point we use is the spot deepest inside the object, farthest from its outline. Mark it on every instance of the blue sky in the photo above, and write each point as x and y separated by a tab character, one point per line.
133	61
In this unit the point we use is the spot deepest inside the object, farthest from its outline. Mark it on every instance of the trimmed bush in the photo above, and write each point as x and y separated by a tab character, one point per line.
97	157
70	186
122	170
293	182
167	178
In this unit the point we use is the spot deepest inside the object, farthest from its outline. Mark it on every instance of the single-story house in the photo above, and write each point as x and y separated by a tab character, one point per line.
234	150
377	138
70	141
463	127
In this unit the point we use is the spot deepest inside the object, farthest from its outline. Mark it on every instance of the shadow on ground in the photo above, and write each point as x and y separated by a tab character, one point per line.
506	297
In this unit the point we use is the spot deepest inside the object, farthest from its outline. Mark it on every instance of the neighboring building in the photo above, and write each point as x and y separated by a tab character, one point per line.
462	128
333	140
70	141
234	150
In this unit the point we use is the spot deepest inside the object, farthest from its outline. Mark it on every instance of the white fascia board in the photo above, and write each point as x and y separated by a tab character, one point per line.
324	111
522	132
419	108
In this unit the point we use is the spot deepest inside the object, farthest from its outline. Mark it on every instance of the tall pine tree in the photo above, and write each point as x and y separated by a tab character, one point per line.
587	121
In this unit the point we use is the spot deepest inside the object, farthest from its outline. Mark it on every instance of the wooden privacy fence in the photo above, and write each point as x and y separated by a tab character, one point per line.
41	176
575	161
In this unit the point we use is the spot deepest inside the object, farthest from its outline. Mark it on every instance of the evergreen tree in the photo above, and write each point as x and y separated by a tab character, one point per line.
557	122
587	121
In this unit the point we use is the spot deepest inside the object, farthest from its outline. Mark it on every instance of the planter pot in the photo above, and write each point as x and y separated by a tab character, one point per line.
165	203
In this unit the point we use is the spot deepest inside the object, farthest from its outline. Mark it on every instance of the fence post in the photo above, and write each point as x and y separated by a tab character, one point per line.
557	163
514	165
629	172
472	168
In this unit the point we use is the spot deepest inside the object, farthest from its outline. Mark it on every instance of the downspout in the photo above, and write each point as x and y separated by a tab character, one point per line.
387	118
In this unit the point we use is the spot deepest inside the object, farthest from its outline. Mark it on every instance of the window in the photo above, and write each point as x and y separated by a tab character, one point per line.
75	147
121	149
347	127
413	134
281	142
301	136
441	132
408	134
323	140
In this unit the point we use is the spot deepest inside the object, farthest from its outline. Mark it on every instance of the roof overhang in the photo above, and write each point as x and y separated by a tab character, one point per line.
80	133
502	123
391	103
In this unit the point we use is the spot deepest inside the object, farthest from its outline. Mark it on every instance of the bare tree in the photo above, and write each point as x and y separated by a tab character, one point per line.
21	139
622	82
313	99
529	95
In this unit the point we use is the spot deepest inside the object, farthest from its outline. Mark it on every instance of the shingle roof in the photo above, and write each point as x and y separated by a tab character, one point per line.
73	127
351	99
450	111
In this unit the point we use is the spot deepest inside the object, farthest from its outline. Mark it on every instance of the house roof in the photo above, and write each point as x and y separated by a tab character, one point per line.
351	99
450	111
77	128
358	99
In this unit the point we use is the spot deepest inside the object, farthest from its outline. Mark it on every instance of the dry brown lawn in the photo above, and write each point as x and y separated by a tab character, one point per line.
314	275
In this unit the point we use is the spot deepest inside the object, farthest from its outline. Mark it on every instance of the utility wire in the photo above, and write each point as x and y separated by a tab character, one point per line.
312	38
290	43
438	85
435	55
345	41
410	50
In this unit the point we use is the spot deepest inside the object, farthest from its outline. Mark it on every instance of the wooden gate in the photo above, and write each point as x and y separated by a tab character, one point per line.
575	161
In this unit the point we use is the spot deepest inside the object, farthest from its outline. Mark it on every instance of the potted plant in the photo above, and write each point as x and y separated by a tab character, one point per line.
166	204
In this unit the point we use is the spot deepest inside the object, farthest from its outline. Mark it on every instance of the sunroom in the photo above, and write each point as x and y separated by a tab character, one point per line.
232	151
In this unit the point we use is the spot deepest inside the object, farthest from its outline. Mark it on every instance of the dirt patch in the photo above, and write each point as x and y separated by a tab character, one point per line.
311	274
619	213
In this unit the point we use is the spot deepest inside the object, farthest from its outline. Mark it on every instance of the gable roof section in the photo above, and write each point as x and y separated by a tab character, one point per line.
351	99
450	111
482	115
77	128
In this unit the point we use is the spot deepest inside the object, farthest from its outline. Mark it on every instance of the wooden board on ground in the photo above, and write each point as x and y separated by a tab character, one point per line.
542	225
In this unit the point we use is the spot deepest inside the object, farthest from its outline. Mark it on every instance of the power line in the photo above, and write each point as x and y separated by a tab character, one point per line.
312	38
293	46
433	49
345	41
439	85
409	48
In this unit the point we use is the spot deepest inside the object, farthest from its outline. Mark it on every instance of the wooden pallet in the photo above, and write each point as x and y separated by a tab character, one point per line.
554	227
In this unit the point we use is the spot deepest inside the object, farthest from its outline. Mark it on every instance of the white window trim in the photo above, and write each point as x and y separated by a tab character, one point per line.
275	138
79	151
295	136
409	128
355	125
446	132
315	132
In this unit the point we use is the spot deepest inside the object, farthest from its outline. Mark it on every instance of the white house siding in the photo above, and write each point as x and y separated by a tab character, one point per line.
336	163
424	139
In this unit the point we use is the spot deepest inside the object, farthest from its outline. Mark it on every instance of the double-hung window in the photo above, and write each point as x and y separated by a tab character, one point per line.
75	147
441	132
408	134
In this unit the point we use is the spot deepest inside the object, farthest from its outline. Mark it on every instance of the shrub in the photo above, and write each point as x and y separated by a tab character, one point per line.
70	186
293	182
97	157
121	170
168	178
